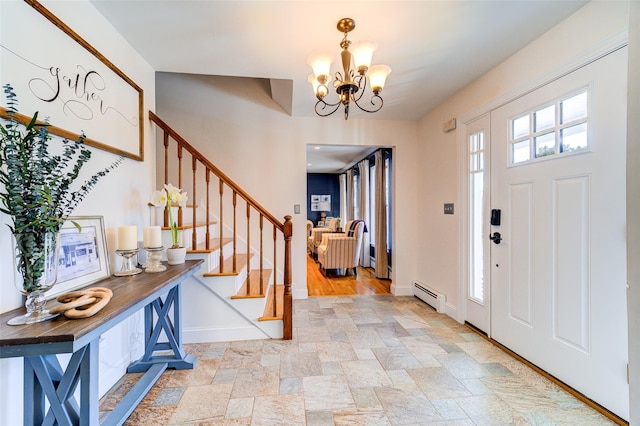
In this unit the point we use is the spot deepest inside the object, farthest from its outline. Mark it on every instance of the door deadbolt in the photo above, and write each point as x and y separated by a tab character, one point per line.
496	237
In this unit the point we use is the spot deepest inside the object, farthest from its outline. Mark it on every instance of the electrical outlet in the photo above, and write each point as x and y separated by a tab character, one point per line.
448	208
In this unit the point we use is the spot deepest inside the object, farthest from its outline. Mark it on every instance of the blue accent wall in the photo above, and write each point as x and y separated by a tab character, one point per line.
323	184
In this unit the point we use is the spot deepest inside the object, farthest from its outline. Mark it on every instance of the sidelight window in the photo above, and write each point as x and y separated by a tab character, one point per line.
476	201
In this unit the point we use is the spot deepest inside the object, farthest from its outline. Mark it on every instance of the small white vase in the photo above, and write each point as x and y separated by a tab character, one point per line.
176	256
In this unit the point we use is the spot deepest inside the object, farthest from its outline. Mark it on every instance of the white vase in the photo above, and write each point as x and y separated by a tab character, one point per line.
176	256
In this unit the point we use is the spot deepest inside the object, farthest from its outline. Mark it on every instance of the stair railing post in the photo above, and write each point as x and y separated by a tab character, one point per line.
220	225
207	215
287	316
194	236
248	248
275	272
261	257
165	220
179	182
235	236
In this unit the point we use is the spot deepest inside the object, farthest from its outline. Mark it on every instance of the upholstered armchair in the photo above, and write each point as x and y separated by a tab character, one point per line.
316	235
309	229
341	250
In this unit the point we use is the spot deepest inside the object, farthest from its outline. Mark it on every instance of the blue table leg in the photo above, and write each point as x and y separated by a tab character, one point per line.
44	378
173	333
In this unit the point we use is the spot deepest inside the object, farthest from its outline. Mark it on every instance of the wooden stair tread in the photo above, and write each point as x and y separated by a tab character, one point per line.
214	244
254	277
241	261
268	314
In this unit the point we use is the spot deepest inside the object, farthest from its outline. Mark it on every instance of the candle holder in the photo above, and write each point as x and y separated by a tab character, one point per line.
128	265
154	255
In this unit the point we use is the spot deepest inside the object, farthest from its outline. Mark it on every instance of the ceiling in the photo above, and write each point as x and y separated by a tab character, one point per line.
435	48
335	158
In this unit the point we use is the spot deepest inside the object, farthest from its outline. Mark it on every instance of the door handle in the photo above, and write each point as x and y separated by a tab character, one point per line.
496	237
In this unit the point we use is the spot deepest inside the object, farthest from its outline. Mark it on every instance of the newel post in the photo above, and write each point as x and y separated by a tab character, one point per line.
287	316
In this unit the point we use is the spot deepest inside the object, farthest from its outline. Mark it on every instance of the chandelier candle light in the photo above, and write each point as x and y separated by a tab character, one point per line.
350	81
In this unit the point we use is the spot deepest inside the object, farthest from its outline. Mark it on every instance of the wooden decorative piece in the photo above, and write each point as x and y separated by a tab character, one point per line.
82	303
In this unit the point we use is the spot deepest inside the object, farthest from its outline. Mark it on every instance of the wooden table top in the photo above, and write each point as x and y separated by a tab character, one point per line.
60	334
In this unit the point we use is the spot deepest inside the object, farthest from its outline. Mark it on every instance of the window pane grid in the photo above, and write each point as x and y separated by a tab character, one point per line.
550	130
476	220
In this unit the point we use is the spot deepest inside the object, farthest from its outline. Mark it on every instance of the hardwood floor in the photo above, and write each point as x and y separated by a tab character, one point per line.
364	283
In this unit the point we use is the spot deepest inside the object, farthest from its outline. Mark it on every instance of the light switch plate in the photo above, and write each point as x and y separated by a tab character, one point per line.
296	209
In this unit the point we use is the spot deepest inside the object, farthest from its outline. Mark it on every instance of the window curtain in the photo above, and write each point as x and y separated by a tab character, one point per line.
349	215
382	268
363	167
343	197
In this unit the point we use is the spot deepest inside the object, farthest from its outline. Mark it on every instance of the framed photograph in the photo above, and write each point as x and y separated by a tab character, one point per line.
315	198
82	258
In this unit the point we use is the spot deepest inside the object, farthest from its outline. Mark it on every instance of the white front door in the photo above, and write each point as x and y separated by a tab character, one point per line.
558	276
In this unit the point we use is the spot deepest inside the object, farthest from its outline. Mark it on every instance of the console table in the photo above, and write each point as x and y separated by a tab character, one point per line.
158	294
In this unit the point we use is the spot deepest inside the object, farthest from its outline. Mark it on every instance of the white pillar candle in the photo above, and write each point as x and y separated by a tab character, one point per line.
152	236
127	237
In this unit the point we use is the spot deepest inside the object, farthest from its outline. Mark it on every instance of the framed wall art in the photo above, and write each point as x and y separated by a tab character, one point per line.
69	82
320	203
82	257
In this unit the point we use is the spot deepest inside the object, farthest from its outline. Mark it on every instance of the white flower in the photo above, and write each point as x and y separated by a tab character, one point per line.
159	198
175	196
170	196
180	199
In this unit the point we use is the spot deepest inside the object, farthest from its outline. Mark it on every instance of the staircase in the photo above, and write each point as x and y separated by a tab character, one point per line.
243	290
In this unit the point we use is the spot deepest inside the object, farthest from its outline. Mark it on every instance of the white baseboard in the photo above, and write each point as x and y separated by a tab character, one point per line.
204	335
401	291
300	293
451	311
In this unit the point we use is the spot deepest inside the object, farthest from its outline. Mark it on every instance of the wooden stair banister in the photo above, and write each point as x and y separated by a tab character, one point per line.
286	228
210	166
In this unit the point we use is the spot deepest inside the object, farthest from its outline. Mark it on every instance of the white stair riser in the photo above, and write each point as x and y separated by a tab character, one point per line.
212	314
248	310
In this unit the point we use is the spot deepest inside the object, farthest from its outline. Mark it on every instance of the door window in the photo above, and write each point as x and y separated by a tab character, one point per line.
550	130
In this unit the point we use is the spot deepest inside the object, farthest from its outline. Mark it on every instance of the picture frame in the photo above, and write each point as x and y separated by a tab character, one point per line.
80	93
82	257
320	203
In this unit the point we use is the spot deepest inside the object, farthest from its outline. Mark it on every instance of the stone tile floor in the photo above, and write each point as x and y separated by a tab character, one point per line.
362	360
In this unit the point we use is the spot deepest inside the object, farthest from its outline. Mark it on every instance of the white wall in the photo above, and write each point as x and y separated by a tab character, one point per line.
119	198
633	211
438	178
242	131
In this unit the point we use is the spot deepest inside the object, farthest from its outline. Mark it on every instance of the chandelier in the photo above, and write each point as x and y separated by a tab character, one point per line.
350	81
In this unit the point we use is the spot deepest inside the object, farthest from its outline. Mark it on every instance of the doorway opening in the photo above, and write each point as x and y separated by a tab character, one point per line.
349	215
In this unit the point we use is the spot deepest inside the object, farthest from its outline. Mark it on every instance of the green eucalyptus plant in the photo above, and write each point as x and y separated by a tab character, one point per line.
37	186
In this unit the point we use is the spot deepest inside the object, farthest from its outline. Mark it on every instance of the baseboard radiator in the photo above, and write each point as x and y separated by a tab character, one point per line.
428	295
